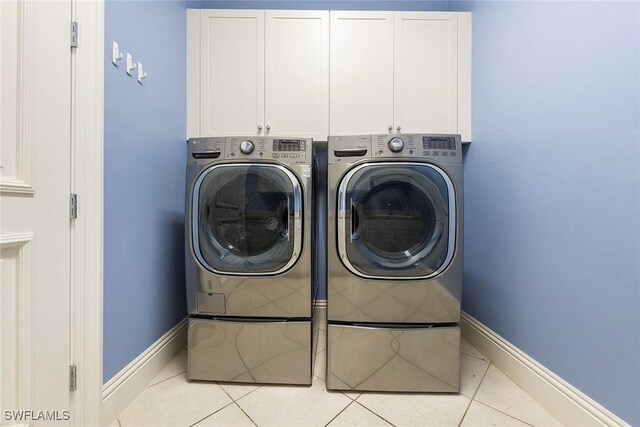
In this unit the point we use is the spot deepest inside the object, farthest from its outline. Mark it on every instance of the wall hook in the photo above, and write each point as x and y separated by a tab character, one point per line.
141	73
130	64
116	55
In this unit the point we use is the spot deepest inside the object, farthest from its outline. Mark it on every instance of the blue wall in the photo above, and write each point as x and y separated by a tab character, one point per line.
552	189
144	155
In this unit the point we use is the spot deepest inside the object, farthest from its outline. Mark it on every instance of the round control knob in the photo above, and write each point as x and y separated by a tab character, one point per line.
247	147
396	145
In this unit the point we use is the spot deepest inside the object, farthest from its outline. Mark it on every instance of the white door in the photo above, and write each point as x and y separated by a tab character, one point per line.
35	93
361	77
426	72
297	74
232	72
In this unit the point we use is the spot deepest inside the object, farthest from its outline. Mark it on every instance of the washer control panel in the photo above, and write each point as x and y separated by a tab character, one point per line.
284	150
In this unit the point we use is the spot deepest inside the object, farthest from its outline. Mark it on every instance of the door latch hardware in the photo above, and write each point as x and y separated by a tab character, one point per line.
73	378
74	34
73	206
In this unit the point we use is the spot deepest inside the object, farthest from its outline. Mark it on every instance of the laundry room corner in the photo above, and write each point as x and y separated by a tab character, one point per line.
552	189
144	153
550	226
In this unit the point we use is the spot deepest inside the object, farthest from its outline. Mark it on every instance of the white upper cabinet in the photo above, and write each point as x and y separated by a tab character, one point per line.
361	72
425	72
400	72
320	73
231	72
252	72
297	73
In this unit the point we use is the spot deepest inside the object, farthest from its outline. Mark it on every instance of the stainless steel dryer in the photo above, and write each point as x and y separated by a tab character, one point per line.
249	259
394	262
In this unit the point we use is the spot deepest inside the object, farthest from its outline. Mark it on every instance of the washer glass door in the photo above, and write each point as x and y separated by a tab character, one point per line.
247	219
396	220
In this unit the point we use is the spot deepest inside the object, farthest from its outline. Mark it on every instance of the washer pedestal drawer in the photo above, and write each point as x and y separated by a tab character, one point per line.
276	352
397	359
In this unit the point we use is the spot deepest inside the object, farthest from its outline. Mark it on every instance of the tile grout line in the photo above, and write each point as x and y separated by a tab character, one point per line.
211	414
474	395
377	415
241	397
225	392
244	395
503	413
344	393
244	412
512	416
338	414
248	393
166	379
233	401
476	357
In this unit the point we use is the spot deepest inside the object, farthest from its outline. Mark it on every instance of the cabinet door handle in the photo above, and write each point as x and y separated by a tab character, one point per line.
390	128
259	127
268	128
398	128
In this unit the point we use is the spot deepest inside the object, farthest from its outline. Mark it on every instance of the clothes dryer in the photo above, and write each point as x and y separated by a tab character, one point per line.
394	256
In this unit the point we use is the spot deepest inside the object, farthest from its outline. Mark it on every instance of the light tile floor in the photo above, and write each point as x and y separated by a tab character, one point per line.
488	398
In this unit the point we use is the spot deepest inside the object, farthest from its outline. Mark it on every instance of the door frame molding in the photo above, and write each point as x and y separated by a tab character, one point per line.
87	142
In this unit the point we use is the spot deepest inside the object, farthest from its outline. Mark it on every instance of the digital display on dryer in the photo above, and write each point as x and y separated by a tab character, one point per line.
438	143
289	145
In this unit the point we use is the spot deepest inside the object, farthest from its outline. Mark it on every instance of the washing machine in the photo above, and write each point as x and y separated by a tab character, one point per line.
249	250
394	259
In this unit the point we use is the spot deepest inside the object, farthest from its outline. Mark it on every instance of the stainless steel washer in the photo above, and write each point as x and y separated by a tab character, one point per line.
394	262
249	248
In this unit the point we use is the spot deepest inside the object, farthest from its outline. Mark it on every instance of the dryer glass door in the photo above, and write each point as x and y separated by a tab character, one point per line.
247	219
396	220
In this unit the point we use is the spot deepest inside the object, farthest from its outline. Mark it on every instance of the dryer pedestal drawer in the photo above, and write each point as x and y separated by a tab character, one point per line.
250	351
393	359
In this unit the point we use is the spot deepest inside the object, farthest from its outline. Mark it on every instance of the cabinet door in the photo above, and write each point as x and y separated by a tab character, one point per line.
297	74
232	72
426	72
361	77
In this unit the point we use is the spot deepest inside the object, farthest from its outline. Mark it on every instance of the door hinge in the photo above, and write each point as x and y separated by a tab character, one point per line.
73	378
74	34
73	206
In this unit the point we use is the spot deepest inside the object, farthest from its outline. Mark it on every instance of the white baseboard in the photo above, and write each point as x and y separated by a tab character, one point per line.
120	390
569	405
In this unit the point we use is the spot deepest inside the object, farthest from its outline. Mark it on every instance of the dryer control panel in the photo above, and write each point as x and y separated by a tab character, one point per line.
441	147
444	148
